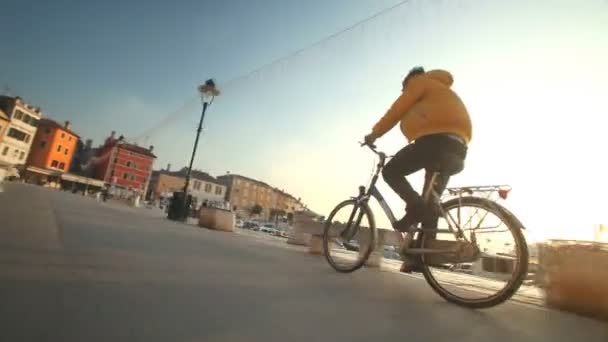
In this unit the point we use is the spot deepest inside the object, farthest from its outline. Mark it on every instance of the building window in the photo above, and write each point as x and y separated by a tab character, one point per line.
58	148
29	120
62	135
62	165
115	160
133	177
70	138
125	175
21	155
19	114
17	134
128	164
54	163
15	153
218	190
134	165
66	151
112	173
5	151
42	144
207	187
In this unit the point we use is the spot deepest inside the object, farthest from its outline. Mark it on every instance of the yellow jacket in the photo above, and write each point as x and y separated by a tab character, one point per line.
427	106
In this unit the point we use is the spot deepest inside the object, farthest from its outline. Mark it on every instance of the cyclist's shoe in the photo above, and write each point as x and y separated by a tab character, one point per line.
411	265
413	215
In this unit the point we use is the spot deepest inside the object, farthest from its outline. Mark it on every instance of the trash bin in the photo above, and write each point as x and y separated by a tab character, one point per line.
178	210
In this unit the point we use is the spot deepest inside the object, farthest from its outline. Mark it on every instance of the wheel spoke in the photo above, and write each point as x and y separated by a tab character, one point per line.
346	245
501	262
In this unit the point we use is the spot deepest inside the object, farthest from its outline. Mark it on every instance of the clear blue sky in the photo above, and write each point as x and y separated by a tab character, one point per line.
532	73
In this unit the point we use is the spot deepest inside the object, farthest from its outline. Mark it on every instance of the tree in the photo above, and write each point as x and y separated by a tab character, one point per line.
277	212
256	209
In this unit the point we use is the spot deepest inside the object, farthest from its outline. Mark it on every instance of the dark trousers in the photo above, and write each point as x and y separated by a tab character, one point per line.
429	153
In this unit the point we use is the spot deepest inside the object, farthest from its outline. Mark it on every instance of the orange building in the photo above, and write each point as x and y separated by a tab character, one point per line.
51	152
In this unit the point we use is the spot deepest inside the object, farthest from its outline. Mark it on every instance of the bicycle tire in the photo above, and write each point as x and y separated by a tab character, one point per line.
326	238
515	227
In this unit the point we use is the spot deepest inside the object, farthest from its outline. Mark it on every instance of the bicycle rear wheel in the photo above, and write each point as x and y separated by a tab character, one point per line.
493	277
349	236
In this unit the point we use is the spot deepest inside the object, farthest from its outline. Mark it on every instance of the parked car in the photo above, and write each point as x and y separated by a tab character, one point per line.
251	225
462	268
268	228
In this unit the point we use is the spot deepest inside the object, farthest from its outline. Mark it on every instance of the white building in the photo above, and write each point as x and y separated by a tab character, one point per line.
206	189
17	136
203	187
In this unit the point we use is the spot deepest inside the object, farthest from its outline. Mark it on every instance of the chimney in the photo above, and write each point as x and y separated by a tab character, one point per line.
169	167
151	148
67	125
89	144
112	135
121	138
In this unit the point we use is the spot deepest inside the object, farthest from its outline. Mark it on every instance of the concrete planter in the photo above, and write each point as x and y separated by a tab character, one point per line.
307	231
575	276
304	227
216	219
298	238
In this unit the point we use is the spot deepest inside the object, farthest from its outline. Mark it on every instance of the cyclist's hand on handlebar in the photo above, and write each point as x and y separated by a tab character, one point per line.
369	140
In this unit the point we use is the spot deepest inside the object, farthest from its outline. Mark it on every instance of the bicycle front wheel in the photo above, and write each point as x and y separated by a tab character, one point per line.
500	264
349	236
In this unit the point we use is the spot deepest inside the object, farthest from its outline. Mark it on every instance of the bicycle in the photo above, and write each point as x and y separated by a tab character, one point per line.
429	251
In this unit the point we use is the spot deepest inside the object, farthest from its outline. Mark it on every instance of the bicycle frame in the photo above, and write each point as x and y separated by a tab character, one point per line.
428	195
372	190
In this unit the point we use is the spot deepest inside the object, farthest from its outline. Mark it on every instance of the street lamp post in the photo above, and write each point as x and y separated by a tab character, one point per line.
208	92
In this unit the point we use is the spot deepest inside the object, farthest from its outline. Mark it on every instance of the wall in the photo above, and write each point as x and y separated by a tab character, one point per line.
134	166
247	193
14	151
166	184
53	148
207	191
3	126
244	193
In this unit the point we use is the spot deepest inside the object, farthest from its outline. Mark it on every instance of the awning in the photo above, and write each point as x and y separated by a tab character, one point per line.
82	180
43	171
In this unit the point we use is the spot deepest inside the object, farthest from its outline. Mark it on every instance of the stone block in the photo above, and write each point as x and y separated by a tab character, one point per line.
216	219
316	245
575	276
298	238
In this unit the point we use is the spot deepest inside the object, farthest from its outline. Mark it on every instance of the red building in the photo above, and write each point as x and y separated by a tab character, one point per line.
124	166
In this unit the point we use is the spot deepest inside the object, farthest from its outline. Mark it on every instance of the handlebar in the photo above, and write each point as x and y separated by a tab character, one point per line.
372	147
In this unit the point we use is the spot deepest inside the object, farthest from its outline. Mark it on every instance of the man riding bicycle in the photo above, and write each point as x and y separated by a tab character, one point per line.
436	123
